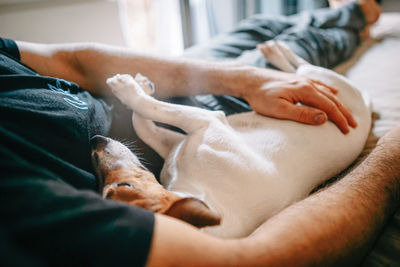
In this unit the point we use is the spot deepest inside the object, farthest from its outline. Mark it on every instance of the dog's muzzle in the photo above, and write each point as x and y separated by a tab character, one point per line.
98	143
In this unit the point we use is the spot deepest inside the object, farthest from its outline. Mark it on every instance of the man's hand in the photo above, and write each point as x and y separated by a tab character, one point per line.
293	97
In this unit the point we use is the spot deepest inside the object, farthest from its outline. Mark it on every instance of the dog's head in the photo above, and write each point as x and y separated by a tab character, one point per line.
121	177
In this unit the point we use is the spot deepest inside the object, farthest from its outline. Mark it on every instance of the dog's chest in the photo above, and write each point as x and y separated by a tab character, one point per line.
242	171
218	151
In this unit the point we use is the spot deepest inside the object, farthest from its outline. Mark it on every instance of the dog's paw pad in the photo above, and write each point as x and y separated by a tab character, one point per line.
120	80
124	87
145	83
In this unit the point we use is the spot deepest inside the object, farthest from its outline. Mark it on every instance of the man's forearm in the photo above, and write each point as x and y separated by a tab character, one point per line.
339	224
172	76
90	65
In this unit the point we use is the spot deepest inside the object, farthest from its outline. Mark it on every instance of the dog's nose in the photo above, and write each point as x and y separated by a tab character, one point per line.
98	142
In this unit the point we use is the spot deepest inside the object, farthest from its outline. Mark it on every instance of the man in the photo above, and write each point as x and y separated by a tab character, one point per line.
51	214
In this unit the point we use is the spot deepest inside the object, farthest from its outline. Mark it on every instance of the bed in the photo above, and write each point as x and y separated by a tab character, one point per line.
374	68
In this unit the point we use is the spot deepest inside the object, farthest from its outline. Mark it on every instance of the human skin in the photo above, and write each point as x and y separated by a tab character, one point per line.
269	92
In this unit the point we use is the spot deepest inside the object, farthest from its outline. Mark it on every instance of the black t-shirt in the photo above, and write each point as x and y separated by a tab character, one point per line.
50	211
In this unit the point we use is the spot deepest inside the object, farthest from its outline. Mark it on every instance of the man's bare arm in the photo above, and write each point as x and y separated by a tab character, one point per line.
90	64
269	92
333	227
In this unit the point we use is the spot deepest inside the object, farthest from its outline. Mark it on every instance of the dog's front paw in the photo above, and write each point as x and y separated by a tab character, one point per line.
124	87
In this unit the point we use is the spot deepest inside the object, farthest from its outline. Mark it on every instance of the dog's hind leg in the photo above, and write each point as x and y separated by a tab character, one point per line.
281	56
187	118
275	56
294	59
160	139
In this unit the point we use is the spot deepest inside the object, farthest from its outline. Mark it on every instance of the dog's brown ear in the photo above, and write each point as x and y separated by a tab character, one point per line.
193	211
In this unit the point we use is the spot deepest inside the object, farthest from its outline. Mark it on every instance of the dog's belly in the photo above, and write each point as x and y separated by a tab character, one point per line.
255	167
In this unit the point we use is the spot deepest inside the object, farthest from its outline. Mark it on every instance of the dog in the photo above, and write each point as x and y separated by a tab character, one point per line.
121	177
231	173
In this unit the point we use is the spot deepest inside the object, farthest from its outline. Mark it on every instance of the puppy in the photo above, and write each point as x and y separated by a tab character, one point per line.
121	177
244	167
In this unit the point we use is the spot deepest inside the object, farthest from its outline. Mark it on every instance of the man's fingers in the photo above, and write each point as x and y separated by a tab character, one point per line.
345	111
304	114
327	91
320	101
333	90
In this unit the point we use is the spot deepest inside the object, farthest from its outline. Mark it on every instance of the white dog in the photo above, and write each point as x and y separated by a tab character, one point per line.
247	167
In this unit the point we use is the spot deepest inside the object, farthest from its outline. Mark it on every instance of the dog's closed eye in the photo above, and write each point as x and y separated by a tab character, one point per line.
122	187
125	184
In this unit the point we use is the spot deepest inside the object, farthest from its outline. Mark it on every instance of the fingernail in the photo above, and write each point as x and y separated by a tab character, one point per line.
319	118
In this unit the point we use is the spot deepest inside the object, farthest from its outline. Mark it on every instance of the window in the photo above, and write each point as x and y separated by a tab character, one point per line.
169	26
206	18
152	25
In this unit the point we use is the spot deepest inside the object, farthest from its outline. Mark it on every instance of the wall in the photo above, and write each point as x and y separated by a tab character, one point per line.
62	21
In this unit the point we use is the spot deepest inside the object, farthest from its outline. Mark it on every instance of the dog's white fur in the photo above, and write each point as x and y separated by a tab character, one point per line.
247	167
